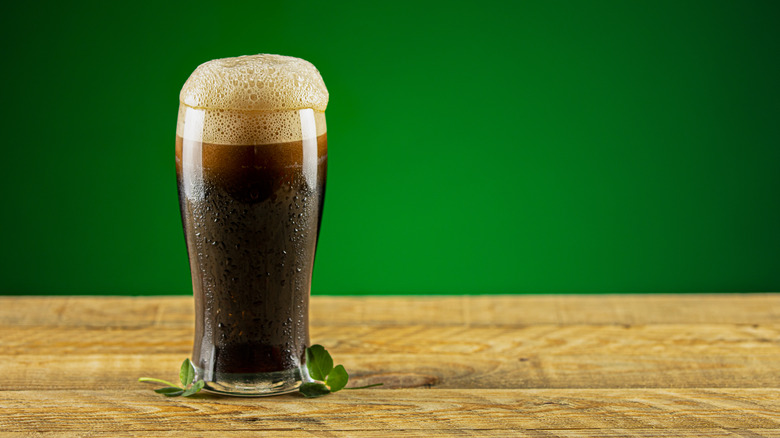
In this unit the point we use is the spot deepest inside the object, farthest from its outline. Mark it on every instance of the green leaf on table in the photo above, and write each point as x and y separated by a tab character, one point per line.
327	379
337	378
313	389
186	375
319	362
197	386
186	372
170	391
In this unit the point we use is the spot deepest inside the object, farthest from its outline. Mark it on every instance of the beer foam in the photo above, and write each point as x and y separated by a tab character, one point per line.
257	99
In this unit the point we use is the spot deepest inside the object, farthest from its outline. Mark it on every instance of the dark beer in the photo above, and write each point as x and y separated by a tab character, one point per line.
251	210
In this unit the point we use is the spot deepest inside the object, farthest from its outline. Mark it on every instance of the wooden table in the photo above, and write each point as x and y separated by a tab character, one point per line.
535	366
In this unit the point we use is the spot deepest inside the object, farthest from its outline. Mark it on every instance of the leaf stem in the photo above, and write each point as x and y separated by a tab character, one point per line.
364	387
164	382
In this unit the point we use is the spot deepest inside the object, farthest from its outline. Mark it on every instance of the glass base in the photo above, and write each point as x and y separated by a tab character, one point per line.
252	385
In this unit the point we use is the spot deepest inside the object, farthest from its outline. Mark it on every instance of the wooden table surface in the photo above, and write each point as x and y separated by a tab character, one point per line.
535	366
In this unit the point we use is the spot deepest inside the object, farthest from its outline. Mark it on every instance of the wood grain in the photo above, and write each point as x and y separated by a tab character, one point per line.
546	356
536	366
440	432
496	310
403	433
666	339
415	409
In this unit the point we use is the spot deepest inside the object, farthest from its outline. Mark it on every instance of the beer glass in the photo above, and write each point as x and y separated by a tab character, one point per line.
251	157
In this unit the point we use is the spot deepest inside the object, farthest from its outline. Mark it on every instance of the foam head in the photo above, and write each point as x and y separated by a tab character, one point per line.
256	83
251	100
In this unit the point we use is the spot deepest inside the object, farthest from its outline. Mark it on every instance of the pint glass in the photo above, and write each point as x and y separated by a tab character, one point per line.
251	157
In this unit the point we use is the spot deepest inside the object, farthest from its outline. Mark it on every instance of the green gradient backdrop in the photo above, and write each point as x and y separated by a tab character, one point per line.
475	146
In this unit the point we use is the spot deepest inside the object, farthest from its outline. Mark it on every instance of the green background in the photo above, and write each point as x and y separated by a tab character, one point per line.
475	147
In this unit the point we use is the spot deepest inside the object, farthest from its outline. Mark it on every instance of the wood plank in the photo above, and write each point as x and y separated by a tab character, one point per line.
410	410
513	310
118	371
515	342
547	356
441	432
497	310
101	311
